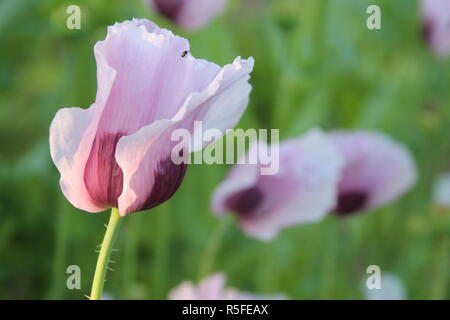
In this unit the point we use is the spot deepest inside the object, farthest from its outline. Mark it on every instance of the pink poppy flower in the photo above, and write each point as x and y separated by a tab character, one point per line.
377	170
189	14
117	153
436	25
213	288
303	190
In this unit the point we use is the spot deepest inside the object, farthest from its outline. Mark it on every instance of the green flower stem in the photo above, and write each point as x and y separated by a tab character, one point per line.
105	252
209	255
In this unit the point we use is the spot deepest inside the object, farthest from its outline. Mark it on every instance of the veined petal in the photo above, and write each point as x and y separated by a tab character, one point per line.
150	176
70	144
222	103
154	76
72	134
145	157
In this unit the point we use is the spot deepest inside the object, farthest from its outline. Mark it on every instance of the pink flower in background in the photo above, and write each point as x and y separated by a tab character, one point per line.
436	25
189	14
377	170
213	288
303	190
117	153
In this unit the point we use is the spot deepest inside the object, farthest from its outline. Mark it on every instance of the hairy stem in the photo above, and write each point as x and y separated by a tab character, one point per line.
105	252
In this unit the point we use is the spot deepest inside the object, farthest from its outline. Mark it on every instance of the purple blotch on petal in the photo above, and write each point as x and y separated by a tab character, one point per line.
169	8
351	202
103	176
245	202
427	31
167	181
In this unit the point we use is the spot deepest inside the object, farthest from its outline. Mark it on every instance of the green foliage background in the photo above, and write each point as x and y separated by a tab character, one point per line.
316	65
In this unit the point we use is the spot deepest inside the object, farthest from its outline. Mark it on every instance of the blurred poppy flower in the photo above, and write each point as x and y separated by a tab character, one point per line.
189	14
213	288
303	190
436	25
377	170
117	153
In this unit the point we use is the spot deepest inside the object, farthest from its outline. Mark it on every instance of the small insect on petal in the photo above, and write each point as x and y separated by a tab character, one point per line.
184	54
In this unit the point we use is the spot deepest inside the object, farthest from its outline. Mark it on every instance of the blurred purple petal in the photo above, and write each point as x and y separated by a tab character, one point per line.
377	170
189	14
213	288
436	25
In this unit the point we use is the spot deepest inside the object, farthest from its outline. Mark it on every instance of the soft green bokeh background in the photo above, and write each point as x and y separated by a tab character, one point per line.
316	65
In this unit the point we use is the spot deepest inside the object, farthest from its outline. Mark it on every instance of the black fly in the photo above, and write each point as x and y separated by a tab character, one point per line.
184	53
